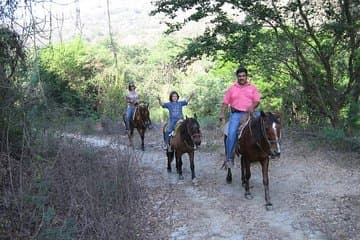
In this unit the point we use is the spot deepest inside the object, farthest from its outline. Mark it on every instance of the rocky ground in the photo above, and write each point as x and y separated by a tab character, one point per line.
315	193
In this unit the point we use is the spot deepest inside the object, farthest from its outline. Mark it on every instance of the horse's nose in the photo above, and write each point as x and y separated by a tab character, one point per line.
275	154
197	142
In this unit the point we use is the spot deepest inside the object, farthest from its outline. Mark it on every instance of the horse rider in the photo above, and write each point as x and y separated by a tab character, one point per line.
132	99
174	107
242	97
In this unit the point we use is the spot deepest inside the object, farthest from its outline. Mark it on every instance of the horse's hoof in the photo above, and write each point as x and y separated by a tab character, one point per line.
169	169
181	177
195	181
268	206
248	196
229	180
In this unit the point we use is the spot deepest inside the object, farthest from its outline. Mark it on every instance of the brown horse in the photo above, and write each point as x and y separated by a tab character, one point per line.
141	121
186	139
260	138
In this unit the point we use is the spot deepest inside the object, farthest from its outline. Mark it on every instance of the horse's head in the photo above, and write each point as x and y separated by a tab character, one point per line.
193	130
273	132
144	114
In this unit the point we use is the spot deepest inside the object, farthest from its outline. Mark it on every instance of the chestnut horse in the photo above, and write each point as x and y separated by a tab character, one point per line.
259	139
186	139
141	121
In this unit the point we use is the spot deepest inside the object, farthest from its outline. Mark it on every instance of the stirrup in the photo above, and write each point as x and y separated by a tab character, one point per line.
228	164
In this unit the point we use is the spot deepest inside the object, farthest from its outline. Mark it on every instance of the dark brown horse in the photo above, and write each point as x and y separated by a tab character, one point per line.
186	139
141	121
260	138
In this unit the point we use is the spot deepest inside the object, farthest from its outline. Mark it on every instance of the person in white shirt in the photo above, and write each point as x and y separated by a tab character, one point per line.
132	99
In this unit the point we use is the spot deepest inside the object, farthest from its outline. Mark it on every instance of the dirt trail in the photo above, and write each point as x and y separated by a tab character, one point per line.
315	195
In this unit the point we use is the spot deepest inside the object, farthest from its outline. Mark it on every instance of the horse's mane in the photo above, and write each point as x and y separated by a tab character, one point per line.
183	130
256	128
273	118
256	125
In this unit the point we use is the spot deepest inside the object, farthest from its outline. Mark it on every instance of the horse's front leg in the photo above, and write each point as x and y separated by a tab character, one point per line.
192	165
265	173
246	182
130	136
179	165
142	136
170	157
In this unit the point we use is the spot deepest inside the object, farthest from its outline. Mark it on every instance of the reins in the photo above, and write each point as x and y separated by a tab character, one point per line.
263	135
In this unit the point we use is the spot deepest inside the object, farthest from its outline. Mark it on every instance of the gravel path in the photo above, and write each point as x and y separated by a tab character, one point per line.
315	193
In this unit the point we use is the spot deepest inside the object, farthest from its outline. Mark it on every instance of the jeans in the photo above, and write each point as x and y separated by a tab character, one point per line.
129	115
169	129
234	124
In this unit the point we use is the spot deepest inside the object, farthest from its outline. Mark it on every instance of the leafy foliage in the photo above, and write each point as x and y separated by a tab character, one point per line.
67	71
314	42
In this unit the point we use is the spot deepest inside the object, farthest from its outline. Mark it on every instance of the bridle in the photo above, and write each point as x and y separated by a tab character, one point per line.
192	136
265	136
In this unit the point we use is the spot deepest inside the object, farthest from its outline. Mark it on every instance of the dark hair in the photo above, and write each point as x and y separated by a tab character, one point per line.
172	93
240	70
131	85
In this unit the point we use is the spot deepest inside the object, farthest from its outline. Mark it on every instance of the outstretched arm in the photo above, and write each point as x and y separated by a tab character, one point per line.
159	99
190	96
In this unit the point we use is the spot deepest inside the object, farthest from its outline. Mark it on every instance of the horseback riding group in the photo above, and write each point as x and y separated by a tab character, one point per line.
251	134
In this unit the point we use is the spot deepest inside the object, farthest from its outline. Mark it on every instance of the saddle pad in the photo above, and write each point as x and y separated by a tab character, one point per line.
177	126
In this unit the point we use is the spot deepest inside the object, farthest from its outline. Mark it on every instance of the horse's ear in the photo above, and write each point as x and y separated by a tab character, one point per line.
277	115
262	114
195	116
147	105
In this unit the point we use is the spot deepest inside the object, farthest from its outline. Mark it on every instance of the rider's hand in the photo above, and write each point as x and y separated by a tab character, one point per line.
221	118
250	109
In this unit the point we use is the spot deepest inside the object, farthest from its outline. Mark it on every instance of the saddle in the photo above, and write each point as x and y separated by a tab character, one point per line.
176	129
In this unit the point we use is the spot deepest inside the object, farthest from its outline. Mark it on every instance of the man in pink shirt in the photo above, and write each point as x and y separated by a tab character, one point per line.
242	97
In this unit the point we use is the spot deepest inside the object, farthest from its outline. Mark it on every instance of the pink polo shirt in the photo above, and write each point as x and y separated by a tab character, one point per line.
241	97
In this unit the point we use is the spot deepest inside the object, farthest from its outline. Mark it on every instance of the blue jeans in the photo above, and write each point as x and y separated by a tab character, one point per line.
129	115
234	124
169	129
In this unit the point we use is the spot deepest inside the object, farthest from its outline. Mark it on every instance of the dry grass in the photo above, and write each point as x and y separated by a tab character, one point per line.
77	193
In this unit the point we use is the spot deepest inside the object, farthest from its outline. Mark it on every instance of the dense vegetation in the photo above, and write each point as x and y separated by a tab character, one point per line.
306	66
308	47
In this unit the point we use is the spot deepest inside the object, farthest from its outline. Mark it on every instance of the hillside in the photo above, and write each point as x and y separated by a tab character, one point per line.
130	21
